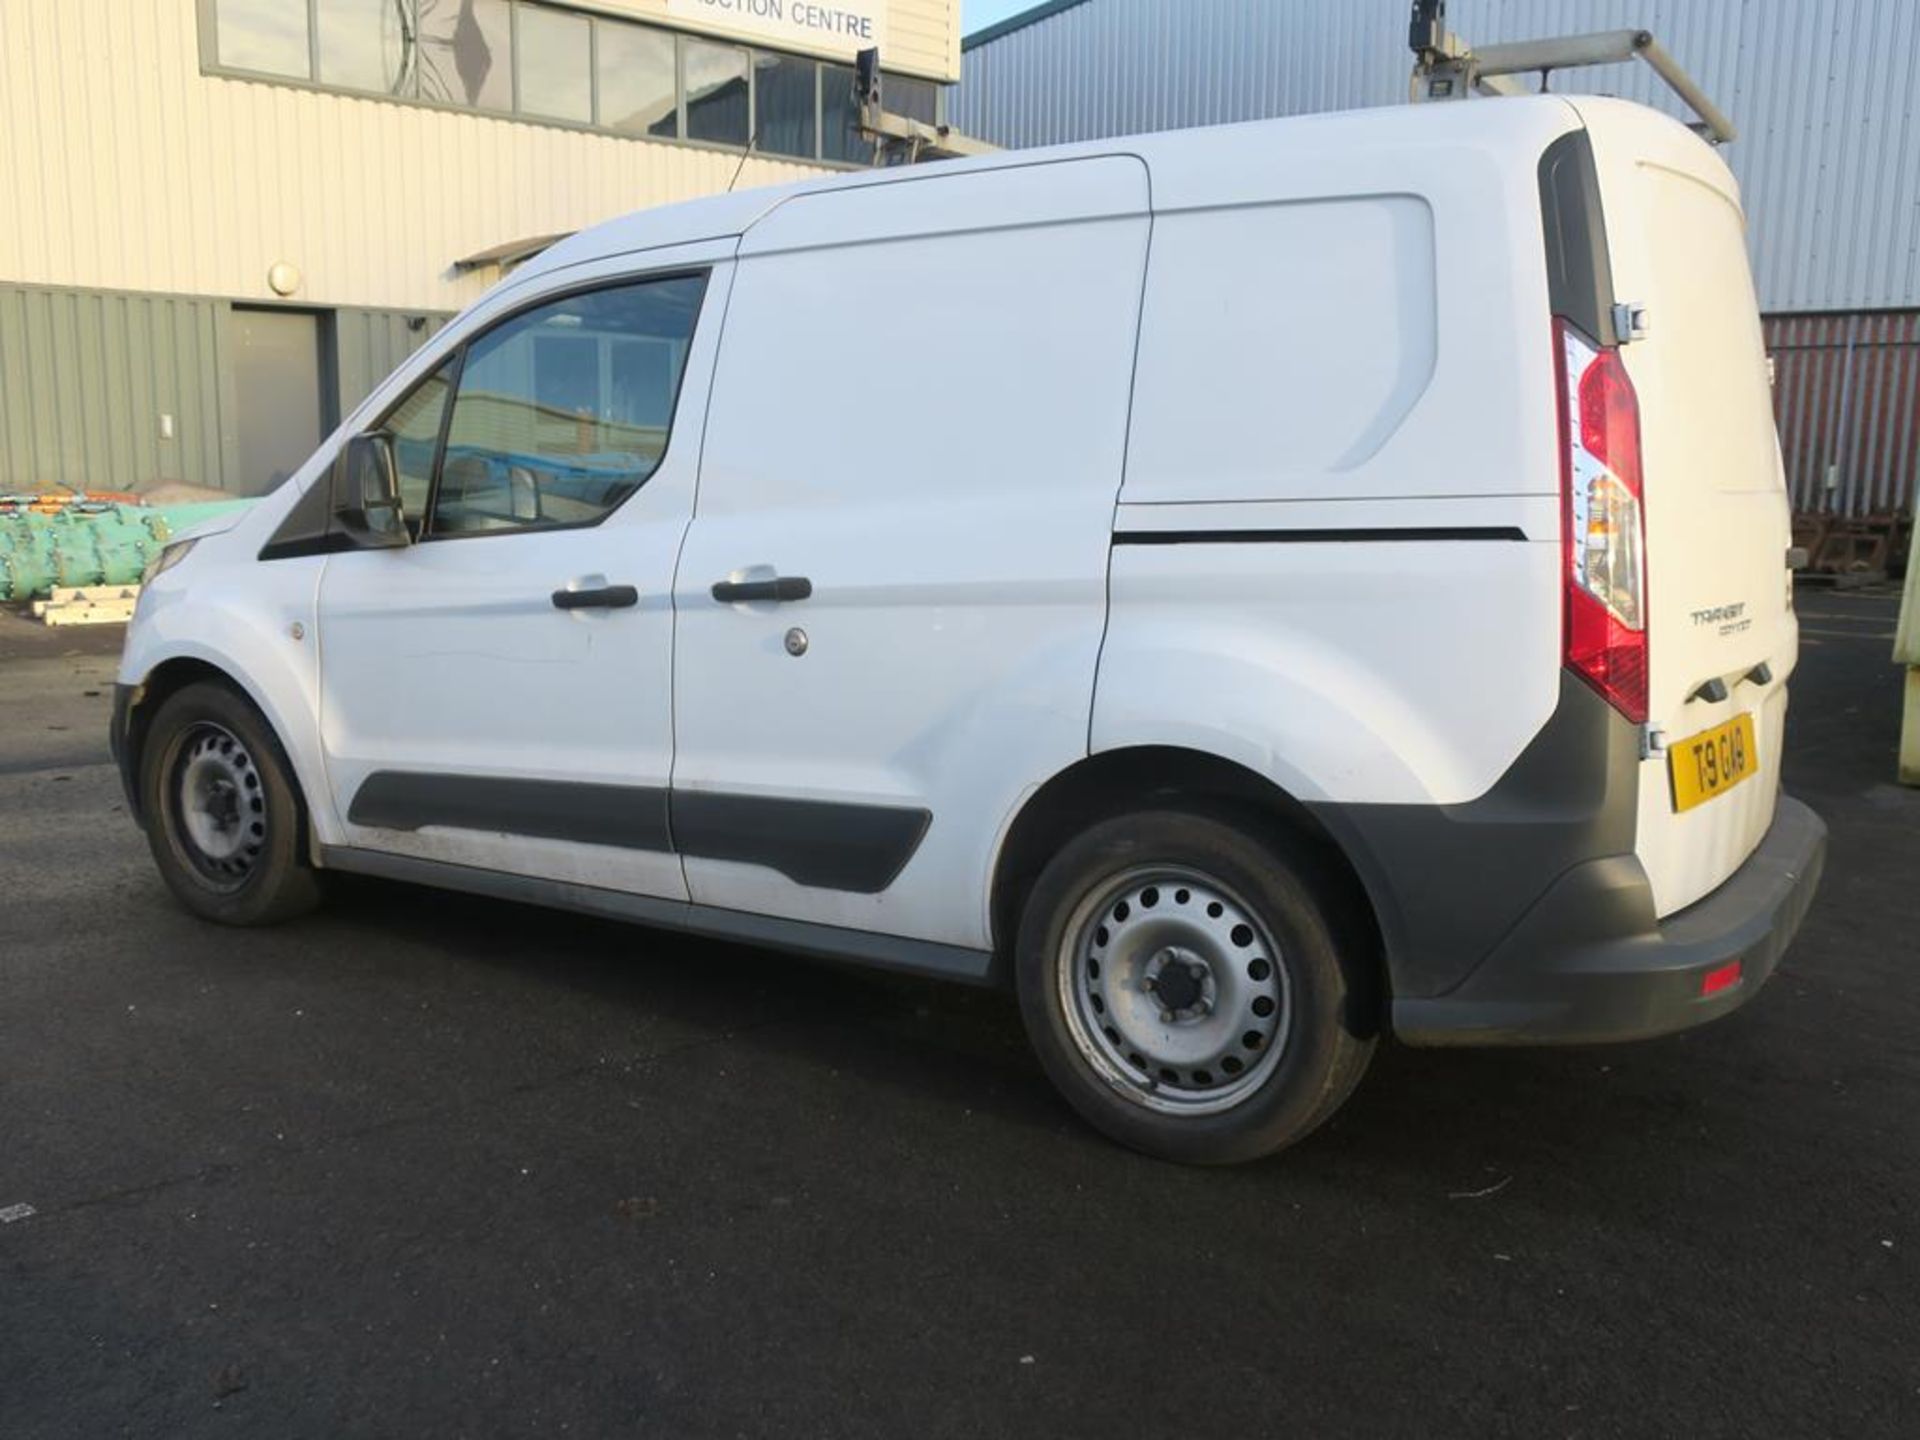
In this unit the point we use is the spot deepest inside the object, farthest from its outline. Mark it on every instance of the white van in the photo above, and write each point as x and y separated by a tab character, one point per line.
1252	590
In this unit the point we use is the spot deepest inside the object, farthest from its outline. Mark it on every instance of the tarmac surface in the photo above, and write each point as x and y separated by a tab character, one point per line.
424	1164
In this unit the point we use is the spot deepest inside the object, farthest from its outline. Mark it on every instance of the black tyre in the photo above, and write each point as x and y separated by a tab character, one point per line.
1189	991
225	819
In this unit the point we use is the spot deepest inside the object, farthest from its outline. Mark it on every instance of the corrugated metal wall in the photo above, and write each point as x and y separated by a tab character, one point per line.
1823	94
122	167
86	376
368	346
1847	401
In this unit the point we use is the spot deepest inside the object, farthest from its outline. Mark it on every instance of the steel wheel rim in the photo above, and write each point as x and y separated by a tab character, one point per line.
219	806
1155	936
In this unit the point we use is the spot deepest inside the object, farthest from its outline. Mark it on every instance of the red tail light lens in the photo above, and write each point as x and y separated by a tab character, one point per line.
1603	530
1722	977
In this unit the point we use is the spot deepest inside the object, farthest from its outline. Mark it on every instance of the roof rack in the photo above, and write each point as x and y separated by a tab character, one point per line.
1447	68
901	139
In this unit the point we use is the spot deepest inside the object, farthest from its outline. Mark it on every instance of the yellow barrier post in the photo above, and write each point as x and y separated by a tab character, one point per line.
1906	651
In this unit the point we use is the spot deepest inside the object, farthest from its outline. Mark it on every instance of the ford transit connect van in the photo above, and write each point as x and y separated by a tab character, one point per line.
1252	590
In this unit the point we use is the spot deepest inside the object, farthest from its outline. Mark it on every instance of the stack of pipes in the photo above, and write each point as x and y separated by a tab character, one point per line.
86	539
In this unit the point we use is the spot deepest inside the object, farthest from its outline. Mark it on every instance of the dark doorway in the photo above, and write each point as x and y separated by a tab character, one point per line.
279	383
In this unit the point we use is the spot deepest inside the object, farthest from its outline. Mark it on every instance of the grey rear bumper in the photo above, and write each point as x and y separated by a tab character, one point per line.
1584	965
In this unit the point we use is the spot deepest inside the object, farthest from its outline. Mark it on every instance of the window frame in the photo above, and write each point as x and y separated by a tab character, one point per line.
458	355
207	12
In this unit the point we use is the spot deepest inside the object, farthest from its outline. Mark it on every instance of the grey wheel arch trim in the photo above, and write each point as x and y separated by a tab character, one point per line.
1449	882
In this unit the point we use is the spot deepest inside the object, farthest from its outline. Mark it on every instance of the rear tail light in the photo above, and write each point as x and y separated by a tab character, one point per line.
1603	533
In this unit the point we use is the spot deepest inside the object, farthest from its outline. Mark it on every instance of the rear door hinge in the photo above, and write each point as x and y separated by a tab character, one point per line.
1629	321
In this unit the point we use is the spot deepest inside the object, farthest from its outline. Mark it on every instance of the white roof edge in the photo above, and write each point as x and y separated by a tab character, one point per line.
733	214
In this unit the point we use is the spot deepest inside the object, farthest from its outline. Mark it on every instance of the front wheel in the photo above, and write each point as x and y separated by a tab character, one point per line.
224	818
1189	991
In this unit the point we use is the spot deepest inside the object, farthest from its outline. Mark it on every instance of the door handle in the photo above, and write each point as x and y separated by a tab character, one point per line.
781	587
606	597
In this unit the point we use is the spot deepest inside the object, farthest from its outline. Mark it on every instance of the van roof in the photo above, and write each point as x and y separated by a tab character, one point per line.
1518	124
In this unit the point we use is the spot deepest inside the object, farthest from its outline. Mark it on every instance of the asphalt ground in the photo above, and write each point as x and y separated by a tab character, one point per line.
427	1165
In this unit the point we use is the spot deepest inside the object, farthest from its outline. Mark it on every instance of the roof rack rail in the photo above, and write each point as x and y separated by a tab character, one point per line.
900	139
1446	68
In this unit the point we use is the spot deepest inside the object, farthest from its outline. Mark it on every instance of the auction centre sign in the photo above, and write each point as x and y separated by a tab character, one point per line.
846	26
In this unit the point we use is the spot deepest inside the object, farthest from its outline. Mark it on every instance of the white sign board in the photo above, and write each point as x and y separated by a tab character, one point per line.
842	26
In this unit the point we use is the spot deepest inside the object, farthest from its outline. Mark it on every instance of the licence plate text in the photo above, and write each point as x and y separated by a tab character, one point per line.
1712	762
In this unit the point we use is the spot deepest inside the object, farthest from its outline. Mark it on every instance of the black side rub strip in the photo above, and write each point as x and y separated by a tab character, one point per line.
630	817
1318	537
859	848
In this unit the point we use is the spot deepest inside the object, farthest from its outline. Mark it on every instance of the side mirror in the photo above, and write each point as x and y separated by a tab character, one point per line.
366	494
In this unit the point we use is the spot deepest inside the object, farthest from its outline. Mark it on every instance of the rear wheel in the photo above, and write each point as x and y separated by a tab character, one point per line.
1187	990
225	821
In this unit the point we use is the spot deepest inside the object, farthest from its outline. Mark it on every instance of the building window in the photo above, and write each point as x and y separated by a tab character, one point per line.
268	36
716	79
638	80
786	103
916	99
550	62
840	138
466	53
362	44
556	64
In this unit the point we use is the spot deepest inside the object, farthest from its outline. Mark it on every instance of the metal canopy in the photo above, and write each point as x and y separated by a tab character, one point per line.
510	253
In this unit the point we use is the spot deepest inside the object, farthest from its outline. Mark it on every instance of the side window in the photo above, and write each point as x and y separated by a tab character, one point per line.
563	412
414	425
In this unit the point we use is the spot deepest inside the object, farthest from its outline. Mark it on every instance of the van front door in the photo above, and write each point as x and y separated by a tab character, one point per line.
891	597
496	695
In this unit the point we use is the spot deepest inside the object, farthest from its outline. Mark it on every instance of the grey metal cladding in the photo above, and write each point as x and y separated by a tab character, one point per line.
116	390
631	817
86	377
1828	160
860	848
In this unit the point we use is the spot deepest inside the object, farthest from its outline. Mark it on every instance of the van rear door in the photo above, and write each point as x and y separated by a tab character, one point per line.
1721	634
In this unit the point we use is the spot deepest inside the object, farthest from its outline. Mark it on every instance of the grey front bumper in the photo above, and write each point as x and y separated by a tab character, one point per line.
1583	965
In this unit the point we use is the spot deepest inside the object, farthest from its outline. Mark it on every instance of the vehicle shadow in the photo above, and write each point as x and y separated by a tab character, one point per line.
1445	1124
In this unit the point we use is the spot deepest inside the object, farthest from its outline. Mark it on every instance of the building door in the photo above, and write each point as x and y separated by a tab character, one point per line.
278	387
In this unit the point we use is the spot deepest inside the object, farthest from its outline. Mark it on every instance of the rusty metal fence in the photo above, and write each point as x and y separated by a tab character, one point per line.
1846	398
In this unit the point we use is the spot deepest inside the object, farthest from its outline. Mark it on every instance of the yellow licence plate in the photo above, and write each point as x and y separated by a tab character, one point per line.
1712	762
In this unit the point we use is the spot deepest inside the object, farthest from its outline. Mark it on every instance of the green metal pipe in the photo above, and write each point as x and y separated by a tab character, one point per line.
90	544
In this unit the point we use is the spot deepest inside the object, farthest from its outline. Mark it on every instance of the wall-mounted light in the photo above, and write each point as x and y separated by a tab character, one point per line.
283	277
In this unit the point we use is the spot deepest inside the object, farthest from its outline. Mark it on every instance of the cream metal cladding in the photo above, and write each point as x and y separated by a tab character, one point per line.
124	167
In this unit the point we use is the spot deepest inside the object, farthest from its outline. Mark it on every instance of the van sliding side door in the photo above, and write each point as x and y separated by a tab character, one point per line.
892	593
